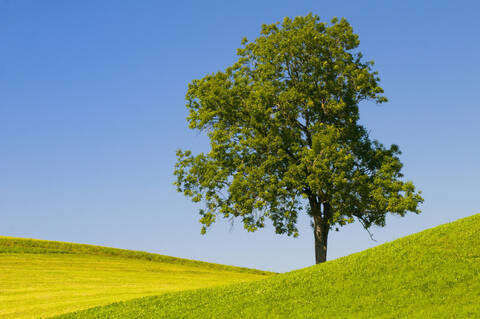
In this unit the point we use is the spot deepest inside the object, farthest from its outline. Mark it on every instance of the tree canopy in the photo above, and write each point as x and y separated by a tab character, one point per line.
285	137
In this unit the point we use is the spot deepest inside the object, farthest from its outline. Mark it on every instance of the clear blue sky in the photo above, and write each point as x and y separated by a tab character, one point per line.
92	111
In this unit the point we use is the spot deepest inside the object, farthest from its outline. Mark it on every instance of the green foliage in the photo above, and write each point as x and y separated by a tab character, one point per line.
45	278
285	138
432	274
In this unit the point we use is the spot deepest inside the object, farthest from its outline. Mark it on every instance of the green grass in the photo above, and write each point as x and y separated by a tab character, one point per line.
432	274
45	278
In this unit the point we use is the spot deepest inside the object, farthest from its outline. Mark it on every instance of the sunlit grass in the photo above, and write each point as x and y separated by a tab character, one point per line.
432	274
44	278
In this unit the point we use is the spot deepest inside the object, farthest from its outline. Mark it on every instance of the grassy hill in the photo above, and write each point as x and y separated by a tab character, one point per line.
44	278
432	274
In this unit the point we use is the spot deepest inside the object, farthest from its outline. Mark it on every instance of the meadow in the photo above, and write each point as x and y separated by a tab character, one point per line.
431	274
40	279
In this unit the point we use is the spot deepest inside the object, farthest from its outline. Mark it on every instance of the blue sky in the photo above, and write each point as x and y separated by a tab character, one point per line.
92	110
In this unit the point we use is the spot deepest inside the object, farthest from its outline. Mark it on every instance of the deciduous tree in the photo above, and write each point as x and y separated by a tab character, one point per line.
283	124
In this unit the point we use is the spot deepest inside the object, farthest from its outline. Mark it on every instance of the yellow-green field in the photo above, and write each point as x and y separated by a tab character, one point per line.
431	274
45	278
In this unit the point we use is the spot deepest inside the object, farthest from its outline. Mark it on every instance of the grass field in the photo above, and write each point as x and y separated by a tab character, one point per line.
432	274
46	278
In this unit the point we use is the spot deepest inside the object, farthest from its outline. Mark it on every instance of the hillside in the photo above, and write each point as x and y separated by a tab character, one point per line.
431	274
44	278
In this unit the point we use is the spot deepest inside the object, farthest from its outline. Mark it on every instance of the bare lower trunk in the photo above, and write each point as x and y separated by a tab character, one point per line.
320	231
320	227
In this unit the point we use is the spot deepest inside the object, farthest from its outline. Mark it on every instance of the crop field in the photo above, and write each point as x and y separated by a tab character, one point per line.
40	279
431	274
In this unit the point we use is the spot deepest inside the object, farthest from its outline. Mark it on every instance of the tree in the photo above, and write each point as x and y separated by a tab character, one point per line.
285	138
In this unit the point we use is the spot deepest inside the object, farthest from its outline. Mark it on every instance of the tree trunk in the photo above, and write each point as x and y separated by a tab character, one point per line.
320	231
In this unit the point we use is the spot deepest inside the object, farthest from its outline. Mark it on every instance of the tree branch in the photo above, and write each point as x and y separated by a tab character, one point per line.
362	221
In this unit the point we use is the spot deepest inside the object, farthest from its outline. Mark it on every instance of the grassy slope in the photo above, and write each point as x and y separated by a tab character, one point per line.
45	278
432	274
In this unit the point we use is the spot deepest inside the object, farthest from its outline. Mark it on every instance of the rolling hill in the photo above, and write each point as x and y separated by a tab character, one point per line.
45	278
431	274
